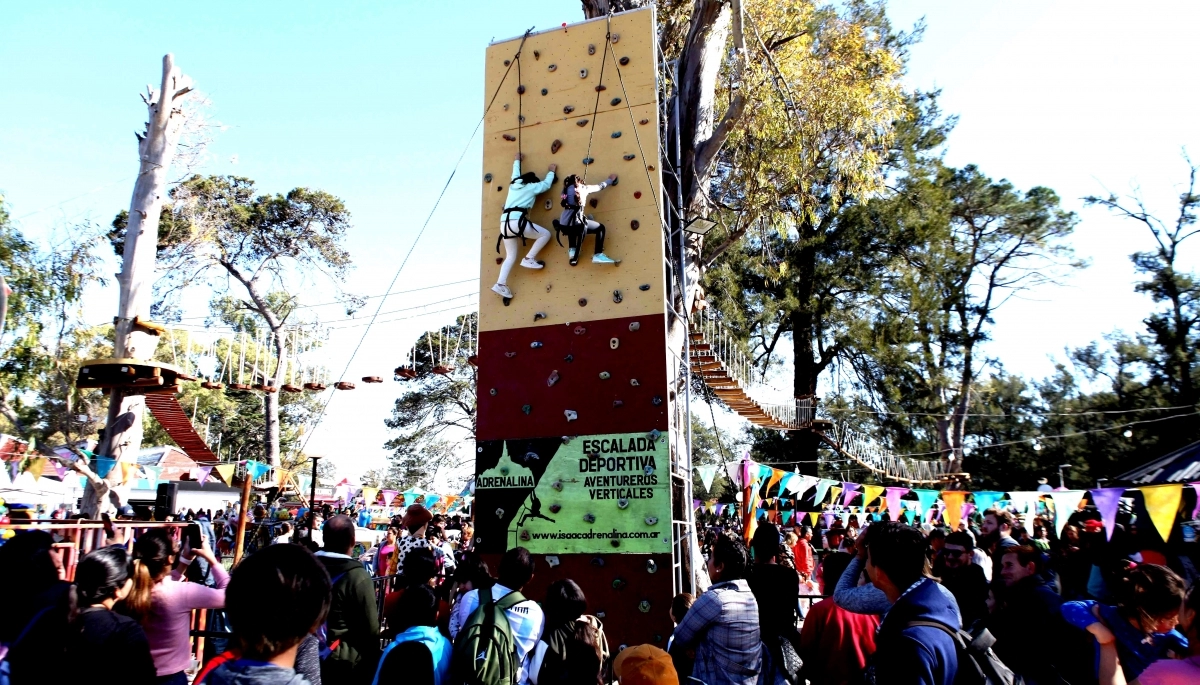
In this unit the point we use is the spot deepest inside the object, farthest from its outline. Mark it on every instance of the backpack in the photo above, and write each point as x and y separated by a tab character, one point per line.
485	653
977	663
5	665
324	646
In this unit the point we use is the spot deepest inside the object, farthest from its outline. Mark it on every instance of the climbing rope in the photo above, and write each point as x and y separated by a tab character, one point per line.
599	88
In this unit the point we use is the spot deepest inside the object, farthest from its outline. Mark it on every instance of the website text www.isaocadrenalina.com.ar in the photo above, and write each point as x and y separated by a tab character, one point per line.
600	535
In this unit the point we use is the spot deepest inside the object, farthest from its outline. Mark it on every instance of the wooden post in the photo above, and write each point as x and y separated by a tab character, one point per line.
247	483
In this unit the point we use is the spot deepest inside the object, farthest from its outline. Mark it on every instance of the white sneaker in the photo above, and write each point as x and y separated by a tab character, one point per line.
573	253
531	263
502	290
604	259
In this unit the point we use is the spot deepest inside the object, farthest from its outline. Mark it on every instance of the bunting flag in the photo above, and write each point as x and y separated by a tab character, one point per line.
153	474
823	485
14	468
894	507
128	469
225	471
834	492
450	501
925	498
410	498
60	470
431	501
1107	502
845	519
812	518
1162	503
304	482
282	476
695	505
389	495
256	469
953	513
103	466
1066	502
871	492
985	499
707	474
370	494
1026	502
798	485
776	476
787	515
967	509
827	519
759	513
849	490
720	510
36	466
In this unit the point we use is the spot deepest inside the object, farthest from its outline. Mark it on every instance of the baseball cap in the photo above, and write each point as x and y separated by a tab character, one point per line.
645	665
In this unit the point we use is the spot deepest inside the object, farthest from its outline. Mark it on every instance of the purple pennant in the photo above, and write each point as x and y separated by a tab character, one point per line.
967	509
828	519
848	492
695	504
720	510
893	501
1107	501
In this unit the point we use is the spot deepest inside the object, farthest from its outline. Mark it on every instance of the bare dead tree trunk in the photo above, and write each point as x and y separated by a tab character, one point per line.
123	431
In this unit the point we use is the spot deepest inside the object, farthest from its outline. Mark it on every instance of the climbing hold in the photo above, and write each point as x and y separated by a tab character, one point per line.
614	542
545	92
548	286
507	62
619	583
580	330
644	286
617	296
615	101
614	343
643	122
615	181
554	508
583	73
521	118
569	358
526	408
615	134
634	325
588	160
506	107
581	123
510	355
535	344
635	224
568	109
531	456
552	67
487	178
604	375
566	440
654	434
601	88
555	147
499	188
648	470
504	471
615	37
593	203
651	565
525	536
644	606
622	503
571	415
634	382
537	55
598	562
649	167
628	158
507	301
553	378
637	194
539	315
583	302
500	513
589	518
510	138
520	90
557	485
591	49
656	401
547	204
492	392
552	560
650	521
617	404
624	61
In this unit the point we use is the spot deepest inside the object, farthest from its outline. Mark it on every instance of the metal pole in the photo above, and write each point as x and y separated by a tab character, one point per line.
687	345
312	499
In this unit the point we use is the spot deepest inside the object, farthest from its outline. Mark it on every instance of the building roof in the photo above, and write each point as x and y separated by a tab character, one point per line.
1181	465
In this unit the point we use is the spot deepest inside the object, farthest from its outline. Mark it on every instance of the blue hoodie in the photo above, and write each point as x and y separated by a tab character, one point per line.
918	655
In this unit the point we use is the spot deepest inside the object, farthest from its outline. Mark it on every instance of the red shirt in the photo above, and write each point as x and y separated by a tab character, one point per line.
836	643
803	553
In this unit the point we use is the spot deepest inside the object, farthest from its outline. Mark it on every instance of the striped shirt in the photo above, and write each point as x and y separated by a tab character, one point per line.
723	627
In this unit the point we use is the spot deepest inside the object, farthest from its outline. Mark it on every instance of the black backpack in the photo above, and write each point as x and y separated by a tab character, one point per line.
977	663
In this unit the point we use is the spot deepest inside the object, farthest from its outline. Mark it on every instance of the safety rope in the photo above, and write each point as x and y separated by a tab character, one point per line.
599	87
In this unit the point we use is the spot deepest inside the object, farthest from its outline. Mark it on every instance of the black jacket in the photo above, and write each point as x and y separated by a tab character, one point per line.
1030	612
969	586
99	636
353	621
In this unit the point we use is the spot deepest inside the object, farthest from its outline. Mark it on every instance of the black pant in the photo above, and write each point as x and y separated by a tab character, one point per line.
575	238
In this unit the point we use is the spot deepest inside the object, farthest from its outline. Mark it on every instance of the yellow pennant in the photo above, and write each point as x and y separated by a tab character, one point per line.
870	492
1162	502
226	472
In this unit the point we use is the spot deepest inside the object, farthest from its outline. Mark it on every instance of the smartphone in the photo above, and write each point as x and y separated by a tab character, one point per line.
195	541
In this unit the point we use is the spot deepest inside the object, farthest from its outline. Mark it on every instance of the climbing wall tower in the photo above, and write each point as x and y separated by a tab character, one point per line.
573	453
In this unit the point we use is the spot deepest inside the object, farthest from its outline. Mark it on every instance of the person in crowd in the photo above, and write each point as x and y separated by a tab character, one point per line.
723	624
997	536
33	619
353	613
420	570
573	649
834	643
515	225
684	660
418	653
965	580
1184	671
99	635
777	590
644	665
163	601
296	586
1141	625
379	565
416	520
525	618
905	653
283	534
936	538
834	538
802	550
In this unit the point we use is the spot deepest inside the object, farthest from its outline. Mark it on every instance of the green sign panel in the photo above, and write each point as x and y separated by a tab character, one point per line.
593	494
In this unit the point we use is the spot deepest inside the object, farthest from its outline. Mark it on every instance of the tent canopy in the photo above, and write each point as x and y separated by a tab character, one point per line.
1181	465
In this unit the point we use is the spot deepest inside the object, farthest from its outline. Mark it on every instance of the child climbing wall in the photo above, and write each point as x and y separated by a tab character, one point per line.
573	455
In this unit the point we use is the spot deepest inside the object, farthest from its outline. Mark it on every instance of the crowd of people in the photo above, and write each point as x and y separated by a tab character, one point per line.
885	603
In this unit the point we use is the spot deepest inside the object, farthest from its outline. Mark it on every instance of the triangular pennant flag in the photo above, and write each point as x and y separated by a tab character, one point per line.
776	476
201	474
369	495
707	474
720	510
967	509
153	474
845	519
60	470
926	498
1026	502
1065	504
798	485
1162	503
226	471
812	518
282	476
823	486
103	466
14	469
449	501
954	501
834	492
128	468
870	492
256	469
36	466
695	504
431	501
985	499
894	507
849	492
787	515
759	513
388	496
827	519
410	498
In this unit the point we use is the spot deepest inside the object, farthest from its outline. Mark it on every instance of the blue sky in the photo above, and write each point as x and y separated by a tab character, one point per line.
374	102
